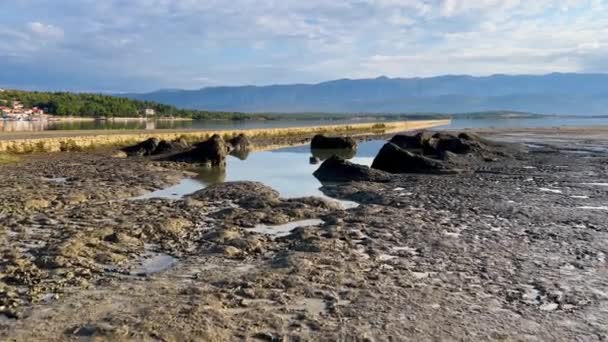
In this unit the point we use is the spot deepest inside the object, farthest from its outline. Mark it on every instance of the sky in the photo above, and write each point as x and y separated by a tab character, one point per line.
144	45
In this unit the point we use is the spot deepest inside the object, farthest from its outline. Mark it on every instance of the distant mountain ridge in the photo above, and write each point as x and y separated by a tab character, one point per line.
557	93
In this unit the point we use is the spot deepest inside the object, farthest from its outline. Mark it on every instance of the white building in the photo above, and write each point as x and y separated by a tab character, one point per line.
149	112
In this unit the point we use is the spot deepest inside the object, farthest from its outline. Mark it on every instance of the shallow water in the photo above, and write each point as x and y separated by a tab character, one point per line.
286	170
457	123
284	229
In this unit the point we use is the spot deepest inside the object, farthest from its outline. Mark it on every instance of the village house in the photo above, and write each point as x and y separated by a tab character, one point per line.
149	112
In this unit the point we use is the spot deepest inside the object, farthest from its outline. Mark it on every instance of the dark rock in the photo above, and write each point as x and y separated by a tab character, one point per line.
442	142
237	191
336	169
240	143
411	141
167	147
314	160
394	159
144	148
322	142
211	153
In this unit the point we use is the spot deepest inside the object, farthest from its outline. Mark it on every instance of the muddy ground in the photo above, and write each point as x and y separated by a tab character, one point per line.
514	251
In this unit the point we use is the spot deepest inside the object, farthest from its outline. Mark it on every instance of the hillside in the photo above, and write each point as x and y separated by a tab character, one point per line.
582	94
97	105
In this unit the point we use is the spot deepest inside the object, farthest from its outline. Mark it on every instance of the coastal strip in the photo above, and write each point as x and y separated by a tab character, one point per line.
57	141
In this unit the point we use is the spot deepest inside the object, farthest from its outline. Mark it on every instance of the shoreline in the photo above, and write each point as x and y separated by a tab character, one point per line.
56	141
117	119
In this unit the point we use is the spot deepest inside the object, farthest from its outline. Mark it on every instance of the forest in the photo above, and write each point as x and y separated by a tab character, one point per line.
98	105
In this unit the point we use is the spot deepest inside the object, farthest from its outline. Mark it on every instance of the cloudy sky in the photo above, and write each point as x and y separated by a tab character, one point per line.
142	45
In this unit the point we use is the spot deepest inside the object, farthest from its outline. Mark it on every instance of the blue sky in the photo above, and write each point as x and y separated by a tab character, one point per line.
142	45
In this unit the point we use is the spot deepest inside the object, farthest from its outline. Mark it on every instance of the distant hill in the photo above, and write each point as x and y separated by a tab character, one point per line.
582	94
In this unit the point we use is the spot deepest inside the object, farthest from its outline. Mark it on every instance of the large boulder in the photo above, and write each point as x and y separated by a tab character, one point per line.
411	141
144	148
445	142
169	147
211	153
336	169
394	159
320	141
240	143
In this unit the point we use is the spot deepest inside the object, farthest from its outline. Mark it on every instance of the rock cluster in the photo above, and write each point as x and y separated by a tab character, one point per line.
422	153
155	146
336	169
320	141
211	152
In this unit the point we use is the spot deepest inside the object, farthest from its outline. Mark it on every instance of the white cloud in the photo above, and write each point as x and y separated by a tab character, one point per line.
169	41
45	30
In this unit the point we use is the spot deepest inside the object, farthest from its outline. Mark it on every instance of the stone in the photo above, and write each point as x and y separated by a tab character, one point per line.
394	159
442	142
144	148
240	143
167	147
320	141
210	153
239	192
336	169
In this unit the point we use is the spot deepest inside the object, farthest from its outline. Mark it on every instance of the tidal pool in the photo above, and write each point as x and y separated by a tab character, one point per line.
288	170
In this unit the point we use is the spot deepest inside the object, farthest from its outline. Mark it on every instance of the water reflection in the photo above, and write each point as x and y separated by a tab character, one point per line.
324	154
286	170
141	124
240	154
210	176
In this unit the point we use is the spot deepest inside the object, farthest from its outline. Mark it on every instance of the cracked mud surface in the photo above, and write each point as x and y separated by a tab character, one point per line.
514	251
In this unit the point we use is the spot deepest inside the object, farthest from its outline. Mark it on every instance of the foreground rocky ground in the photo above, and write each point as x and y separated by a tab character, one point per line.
513	251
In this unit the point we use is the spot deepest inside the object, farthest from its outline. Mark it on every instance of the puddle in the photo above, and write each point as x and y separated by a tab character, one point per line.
594	208
287	170
555	191
596	184
580	197
56	179
408	250
534	146
175	192
153	263
313	306
386	257
284	229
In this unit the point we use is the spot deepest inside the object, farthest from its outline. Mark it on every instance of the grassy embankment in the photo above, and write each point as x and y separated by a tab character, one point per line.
84	140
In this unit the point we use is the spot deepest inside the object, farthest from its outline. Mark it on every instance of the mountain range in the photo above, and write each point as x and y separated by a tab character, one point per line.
556	93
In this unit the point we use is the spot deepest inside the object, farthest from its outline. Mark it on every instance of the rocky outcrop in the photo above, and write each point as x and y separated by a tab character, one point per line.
320	141
411	141
336	169
211	153
394	159
445	142
155	146
168	147
240	143
144	148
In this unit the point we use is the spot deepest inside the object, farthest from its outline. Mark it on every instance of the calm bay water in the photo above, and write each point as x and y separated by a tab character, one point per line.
457	123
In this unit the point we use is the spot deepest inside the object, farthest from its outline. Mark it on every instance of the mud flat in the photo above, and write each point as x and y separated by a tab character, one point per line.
483	255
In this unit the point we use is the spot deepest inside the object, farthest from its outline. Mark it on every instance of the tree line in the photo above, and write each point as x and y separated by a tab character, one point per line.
98	105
